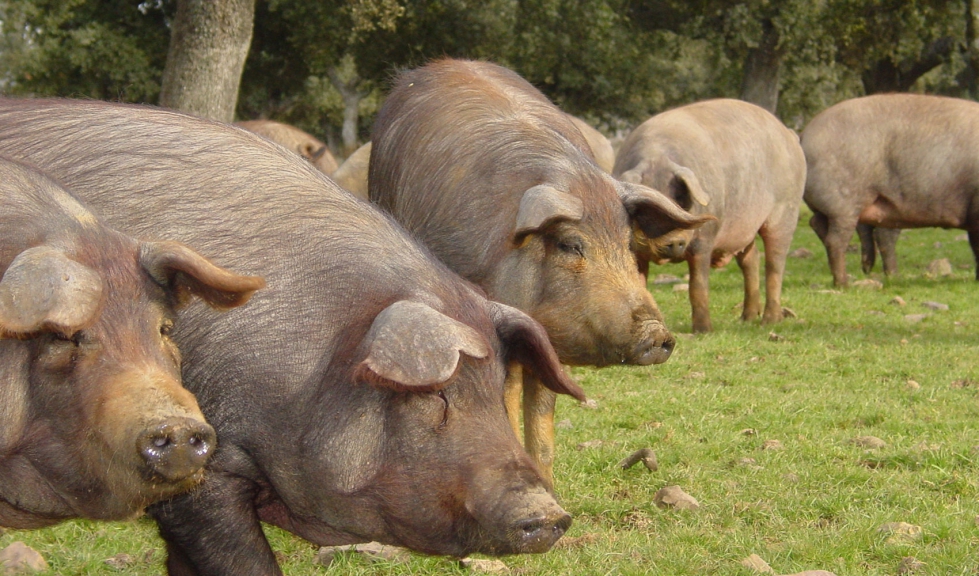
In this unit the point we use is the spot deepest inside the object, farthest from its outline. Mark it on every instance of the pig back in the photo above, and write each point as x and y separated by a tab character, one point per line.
455	147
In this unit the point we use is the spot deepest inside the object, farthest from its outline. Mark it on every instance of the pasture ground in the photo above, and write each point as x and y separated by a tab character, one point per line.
840	370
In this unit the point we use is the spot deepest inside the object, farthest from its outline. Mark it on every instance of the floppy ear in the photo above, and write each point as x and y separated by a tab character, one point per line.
527	343
654	213
414	347
688	177
43	289
186	273
543	205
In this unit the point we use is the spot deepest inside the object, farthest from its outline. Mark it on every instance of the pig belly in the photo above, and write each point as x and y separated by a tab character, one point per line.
884	213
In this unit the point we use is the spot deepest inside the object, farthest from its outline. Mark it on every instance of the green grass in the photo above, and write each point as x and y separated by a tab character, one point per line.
838	371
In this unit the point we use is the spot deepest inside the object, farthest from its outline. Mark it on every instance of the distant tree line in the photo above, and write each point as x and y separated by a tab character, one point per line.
324	65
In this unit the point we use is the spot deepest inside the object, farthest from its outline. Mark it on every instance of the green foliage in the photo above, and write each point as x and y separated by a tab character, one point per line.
840	370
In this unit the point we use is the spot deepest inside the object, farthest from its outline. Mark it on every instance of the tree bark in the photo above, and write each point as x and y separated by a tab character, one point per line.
351	94
761	70
208	47
888	76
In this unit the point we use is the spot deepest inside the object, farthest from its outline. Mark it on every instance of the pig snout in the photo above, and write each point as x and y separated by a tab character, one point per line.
176	448
538	534
655	345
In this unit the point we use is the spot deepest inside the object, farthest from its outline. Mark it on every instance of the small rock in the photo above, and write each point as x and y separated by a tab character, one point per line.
912	385
915	317
870	283
748	462
564	424
962	238
590	404
666	279
120	561
800	253
748	432
909	564
373	551
684	287
788	312
898	301
871	442
754	562
901	532
934	305
19	558
772	445
485	566
646	455
675	497
773	337
939	268
589	444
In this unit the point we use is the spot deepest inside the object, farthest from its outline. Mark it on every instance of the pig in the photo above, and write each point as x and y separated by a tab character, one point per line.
737	162
501	186
873	240
891	161
359	396
352	174
93	420
601	149
302	143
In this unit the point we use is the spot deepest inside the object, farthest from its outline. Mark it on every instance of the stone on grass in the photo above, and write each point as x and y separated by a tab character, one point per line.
871	442
667	279
684	287
773	337
755	562
912	385
120	561
675	497
645	455
870	283
590	404
788	312
909	564
589	444
19	558
485	566
934	305
772	445
939	268
915	317
373	551
800	253
898	301
901	533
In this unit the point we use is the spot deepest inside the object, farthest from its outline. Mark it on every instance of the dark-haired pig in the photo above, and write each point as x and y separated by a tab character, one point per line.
359	396
502	187
93	420
892	161
734	161
300	142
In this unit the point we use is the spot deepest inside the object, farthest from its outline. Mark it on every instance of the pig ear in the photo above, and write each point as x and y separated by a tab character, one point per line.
44	290
527	343
543	205
186	273
697	191
654	213
413	347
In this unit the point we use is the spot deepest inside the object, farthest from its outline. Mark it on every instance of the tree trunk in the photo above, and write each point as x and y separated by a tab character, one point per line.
969	78
349	91
761	70
208	47
887	76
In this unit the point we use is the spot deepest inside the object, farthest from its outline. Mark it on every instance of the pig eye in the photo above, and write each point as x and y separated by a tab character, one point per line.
445	412
572	246
75	339
166	328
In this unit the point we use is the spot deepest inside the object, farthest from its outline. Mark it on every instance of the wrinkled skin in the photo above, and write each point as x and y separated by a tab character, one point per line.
93	420
501	186
891	161
734	161
352	174
356	398
294	139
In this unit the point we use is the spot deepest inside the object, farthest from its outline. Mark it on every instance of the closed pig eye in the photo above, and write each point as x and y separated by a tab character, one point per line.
445	410
572	246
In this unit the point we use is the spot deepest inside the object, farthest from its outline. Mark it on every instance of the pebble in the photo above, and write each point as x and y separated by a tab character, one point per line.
772	445
915	317
667	279
373	551
755	562
590	404
871	442
19	558
901	532
675	497
684	287
871	283
938	268
898	301
485	566
934	305
589	444
912	385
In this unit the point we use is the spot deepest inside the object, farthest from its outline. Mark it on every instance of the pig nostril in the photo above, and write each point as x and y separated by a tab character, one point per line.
532	527
161	441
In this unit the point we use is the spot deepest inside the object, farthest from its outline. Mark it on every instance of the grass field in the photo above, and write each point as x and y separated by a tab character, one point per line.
840	370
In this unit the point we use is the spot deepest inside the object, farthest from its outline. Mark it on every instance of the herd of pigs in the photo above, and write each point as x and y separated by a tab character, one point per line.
356	366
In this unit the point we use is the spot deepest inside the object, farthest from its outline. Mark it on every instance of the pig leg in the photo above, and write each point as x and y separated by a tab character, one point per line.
835	235
699	264
748	260
974	244
215	531
776	251
886	241
538	421
513	390
868	250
